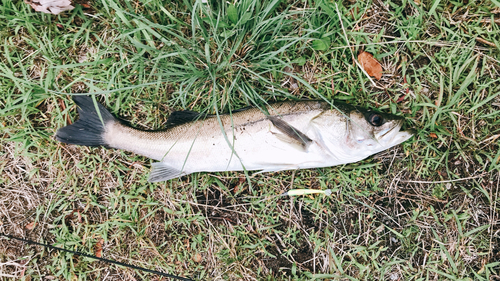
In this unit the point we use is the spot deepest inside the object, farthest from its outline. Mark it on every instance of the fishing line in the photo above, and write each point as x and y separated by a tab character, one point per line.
97	258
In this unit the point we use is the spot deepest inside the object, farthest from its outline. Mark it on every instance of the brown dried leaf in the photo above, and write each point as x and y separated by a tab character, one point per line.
370	65
30	225
197	258
50	6
75	214
98	248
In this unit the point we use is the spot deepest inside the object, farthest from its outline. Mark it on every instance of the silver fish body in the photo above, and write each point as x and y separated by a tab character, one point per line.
290	135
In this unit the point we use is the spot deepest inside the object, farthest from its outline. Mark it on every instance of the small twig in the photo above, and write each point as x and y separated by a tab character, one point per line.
445	181
489	21
493	216
490	139
484	41
476	49
293	177
434	43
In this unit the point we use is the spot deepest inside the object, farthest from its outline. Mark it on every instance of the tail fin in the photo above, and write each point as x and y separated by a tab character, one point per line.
89	129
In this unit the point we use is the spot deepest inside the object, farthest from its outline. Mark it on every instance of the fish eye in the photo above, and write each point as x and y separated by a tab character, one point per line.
375	119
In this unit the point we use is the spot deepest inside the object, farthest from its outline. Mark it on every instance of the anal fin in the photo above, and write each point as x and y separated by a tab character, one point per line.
161	171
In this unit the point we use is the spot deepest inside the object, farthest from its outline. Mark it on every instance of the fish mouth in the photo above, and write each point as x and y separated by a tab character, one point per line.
394	136
388	134
403	136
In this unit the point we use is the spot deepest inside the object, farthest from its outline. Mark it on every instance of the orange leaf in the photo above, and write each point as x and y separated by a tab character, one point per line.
371	65
432	135
30	225
98	248
197	258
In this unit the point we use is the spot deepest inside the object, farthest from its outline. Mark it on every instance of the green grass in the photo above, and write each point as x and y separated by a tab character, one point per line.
390	217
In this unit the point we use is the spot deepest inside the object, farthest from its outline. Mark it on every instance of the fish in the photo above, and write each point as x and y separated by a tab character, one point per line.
280	136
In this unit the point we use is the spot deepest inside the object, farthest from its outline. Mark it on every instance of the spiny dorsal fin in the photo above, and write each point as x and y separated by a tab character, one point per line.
182	117
292	133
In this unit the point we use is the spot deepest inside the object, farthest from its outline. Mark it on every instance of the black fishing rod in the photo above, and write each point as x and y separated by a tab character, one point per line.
97	258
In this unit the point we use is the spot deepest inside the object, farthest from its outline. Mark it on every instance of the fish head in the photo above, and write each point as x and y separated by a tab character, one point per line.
370	132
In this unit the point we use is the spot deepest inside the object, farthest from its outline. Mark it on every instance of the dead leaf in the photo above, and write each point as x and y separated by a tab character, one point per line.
23	263
432	135
370	65
401	98
197	258
98	248
75	214
50	6
30	225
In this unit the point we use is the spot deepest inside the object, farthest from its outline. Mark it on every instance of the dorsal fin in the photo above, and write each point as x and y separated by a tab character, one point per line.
242	109
182	117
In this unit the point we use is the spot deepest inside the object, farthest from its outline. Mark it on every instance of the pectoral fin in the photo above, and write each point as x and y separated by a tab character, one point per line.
290	134
161	171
